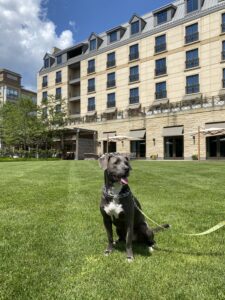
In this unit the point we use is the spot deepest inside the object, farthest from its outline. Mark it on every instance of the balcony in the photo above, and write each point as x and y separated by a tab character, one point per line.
74	97
111	104
111	83
91	69
160	71
134	78
222	27
91	88
192	89
134	100
111	63
192	63
91	108
44	84
160	48
161	95
58	80
133	56
191	38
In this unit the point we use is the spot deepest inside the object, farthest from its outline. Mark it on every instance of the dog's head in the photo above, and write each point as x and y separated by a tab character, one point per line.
117	167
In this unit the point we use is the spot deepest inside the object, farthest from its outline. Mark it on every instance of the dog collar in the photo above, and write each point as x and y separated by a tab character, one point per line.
108	194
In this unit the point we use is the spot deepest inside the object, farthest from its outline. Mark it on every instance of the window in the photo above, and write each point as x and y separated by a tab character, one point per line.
134	74
160	67
160	90
191	33
135	27
192	84
192	5
58	77
91	104
111	59
113	37
223	23
58	93
44	96
93	44
161	17
91	66
58	108
91	85
44	81
223	50
111	100
160	43
192	59
44	112
46	63
59	59
223	80
12	93
134	96
111	80
134	53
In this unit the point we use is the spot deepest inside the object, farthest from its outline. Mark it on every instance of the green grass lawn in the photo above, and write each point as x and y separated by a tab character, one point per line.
52	237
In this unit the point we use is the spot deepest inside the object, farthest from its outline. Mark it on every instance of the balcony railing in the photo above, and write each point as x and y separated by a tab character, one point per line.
111	104
223	55
58	96
191	38
223	27
111	63
134	77
58	79
223	83
111	83
160	47
134	99
91	70
191	89
160	71
91	88
191	63
161	95
44	84
91	107
133	56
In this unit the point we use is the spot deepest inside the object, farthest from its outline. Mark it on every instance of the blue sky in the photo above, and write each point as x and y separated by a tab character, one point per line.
96	15
38	25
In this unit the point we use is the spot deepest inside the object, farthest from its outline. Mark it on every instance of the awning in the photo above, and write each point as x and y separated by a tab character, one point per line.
134	106
110	110
91	113
137	134
107	135
215	125
173	131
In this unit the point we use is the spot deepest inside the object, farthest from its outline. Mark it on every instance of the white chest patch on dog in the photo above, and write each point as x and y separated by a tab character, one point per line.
113	209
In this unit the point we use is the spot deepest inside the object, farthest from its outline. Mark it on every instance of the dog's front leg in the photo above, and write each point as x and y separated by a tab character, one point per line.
108	226
129	238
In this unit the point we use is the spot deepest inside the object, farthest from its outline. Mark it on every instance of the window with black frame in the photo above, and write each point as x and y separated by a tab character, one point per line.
45	81
58	93
162	17
111	59
192	59
160	43
135	27
91	66
134	96
134	74
111	100
223	23
192	84
134	52
91	85
91	104
192	34
160	90
223	51
58	77
160	67
111	80
192	5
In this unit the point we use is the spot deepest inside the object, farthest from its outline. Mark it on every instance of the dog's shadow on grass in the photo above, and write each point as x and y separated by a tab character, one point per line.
138	249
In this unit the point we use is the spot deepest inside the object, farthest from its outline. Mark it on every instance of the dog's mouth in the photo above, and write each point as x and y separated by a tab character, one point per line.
124	181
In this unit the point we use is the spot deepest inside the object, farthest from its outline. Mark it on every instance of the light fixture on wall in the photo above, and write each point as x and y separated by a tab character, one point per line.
153	141
193	139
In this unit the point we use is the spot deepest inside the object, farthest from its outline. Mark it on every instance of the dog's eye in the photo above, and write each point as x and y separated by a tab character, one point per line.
117	161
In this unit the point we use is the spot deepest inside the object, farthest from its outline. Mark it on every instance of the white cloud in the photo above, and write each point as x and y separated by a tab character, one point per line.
25	36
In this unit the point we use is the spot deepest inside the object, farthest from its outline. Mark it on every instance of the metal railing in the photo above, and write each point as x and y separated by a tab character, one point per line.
191	63
160	47
134	55
134	77
111	104
111	63
161	95
90	70
134	99
191	89
160	71
111	83
191	38
91	88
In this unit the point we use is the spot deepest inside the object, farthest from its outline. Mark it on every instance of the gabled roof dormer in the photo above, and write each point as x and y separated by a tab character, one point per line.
137	24
94	42
115	34
48	60
164	14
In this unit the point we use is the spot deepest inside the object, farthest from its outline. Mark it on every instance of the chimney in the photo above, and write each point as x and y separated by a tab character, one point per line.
55	50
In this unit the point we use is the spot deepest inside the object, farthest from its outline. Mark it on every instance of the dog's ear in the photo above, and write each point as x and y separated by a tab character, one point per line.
103	161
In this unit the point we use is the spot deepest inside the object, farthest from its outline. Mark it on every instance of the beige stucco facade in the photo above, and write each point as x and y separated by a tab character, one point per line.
151	116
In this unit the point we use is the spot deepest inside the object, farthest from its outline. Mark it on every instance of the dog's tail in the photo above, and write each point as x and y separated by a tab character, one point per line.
161	227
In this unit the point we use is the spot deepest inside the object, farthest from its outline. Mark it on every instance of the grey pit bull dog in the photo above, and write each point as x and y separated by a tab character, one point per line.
119	207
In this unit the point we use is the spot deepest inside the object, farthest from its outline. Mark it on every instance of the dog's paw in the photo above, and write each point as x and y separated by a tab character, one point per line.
130	259
150	250
107	252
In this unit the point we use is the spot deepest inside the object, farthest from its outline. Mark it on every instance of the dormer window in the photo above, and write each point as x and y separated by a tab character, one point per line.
135	27
93	44
46	63
192	5
137	24
115	34
59	59
164	14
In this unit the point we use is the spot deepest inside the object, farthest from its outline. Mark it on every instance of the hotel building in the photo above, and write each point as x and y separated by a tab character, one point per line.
158	79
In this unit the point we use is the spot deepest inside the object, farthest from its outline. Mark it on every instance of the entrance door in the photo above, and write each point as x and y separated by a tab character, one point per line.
174	147
215	146
111	147
139	148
